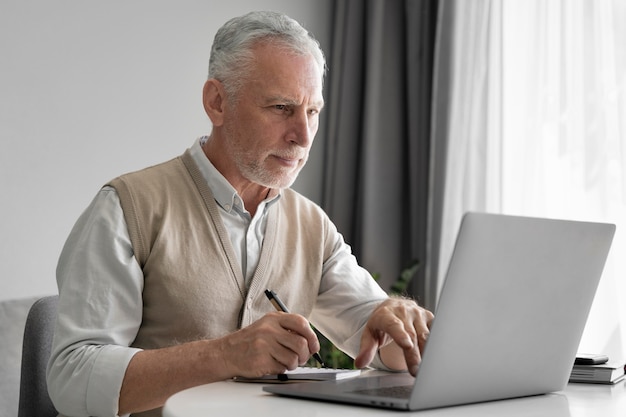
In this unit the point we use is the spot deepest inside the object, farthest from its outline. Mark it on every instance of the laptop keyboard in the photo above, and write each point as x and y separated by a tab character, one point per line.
399	391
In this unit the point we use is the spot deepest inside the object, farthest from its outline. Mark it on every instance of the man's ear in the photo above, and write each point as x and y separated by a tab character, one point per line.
213	95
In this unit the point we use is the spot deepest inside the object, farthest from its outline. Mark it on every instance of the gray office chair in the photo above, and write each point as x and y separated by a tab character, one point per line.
34	398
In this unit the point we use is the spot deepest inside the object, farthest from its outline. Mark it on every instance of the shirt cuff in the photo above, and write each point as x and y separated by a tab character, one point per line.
105	381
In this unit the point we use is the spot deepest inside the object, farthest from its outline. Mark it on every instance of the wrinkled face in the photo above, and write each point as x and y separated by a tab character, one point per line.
269	128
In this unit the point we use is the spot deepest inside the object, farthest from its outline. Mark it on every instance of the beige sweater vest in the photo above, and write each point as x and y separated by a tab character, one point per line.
193	284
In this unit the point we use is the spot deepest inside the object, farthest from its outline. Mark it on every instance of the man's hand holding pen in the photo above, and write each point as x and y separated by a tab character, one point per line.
272	345
280	306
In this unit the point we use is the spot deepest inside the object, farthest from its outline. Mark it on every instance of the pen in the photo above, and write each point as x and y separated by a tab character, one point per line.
278	305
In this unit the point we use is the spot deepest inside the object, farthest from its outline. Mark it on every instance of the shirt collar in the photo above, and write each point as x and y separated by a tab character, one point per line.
224	193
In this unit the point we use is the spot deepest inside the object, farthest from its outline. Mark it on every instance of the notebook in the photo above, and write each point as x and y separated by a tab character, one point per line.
508	322
304	373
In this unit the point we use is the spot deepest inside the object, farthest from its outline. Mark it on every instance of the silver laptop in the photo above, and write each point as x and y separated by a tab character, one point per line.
508	322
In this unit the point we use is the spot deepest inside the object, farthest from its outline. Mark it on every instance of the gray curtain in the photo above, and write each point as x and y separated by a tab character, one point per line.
376	182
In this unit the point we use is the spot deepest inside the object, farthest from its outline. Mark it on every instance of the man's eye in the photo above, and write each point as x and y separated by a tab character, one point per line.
280	107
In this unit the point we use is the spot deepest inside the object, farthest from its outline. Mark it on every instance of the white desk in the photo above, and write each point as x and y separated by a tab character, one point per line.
239	399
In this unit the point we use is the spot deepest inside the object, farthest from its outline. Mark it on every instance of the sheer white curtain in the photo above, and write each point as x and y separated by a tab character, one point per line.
536	125
564	130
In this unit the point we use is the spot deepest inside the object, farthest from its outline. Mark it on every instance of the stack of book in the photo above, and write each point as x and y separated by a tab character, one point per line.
606	373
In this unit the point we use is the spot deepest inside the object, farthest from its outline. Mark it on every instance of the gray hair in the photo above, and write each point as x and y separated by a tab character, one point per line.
231	54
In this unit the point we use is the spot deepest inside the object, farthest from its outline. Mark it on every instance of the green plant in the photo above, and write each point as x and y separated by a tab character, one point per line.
332	356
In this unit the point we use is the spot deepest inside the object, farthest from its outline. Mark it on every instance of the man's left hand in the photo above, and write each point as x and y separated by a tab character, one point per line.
398	328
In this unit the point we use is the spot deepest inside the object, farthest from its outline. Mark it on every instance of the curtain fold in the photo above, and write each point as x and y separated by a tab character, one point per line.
378	132
466	126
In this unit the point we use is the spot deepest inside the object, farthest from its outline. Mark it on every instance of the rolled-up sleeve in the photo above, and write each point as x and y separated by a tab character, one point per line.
347	296
99	312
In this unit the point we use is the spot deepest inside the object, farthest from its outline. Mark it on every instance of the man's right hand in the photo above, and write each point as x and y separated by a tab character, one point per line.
275	343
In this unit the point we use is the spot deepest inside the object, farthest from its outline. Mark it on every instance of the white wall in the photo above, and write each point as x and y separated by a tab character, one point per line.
92	89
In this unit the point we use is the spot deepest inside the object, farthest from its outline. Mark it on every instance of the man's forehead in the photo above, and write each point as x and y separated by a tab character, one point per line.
286	77
280	57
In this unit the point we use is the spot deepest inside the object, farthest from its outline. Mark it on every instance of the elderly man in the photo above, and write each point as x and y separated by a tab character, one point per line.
162	279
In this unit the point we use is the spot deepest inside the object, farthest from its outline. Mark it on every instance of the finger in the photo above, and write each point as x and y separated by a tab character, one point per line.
367	351
404	336
422	327
413	358
299	336
286	356
422	338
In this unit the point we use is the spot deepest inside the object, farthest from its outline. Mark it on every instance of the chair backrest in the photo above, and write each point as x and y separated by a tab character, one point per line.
34	398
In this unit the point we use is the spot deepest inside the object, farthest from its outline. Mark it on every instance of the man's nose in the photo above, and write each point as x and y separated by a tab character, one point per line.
303	127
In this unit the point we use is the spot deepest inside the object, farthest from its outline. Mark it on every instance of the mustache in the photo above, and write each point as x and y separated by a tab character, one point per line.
290	155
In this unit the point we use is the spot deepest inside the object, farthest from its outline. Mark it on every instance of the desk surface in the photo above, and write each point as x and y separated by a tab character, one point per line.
239	399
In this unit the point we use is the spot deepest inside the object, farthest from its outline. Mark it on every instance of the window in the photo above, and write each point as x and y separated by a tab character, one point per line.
563	142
